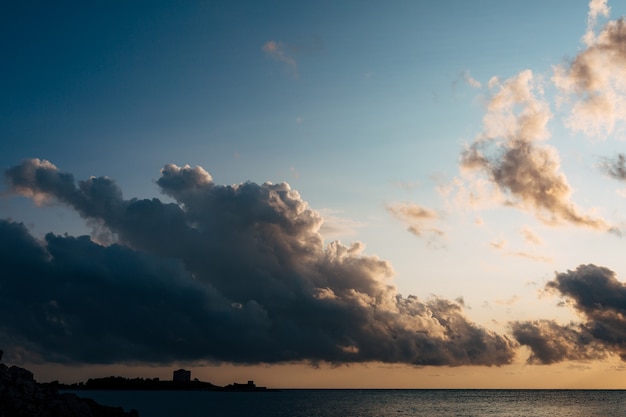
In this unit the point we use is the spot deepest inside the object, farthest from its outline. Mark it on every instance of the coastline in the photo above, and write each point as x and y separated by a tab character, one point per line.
116	383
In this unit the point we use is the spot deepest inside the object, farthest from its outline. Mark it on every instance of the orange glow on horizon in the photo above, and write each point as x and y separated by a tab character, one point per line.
570	375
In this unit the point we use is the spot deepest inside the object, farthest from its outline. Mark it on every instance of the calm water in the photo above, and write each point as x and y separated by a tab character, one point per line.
369	403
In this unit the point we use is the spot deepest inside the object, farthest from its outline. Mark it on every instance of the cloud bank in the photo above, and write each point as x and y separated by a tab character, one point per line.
226	273
597	295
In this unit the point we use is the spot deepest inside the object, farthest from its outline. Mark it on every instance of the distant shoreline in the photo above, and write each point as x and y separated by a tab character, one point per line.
65	387
114	383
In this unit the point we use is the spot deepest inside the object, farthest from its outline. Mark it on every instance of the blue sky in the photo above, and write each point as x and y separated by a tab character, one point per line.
364	108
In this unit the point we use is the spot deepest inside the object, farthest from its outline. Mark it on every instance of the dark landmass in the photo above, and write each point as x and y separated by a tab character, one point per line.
22	396
112	383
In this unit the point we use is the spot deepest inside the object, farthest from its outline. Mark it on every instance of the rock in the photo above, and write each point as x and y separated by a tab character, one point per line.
22	396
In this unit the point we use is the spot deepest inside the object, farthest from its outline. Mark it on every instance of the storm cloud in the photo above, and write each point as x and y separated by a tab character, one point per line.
225	273
600	299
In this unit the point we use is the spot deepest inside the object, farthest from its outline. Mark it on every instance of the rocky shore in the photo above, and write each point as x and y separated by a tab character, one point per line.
22	396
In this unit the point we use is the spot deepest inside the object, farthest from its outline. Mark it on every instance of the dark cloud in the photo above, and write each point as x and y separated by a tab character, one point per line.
596	294
615	168
227	273
551	342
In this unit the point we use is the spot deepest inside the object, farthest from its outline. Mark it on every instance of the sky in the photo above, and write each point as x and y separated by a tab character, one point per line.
315	194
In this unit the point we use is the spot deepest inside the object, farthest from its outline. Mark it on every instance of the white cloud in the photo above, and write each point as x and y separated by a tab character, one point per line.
596	8
526	172
594	82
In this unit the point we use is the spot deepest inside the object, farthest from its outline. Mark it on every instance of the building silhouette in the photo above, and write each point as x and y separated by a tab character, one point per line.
181	375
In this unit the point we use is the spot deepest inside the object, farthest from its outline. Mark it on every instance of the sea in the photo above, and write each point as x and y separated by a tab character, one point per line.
368	403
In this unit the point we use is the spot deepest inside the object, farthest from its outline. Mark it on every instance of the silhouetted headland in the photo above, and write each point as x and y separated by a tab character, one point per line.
117	383
181	381
22	396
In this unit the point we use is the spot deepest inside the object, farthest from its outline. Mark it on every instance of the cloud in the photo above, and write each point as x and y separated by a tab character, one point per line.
418	218
525	171
532	256
531	237
615	168
508	302
278	51
225	273
596	8
335	226
498	244
466	78
594	82
600	299
501	244
551	342
469	80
